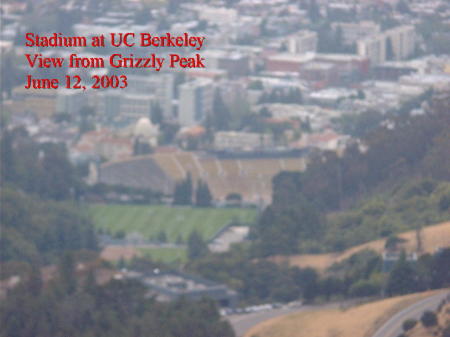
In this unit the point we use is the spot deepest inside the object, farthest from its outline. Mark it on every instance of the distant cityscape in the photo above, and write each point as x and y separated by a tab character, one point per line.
279	76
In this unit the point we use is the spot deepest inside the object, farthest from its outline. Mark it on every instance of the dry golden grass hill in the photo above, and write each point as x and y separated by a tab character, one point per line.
443	321
433	237
358	321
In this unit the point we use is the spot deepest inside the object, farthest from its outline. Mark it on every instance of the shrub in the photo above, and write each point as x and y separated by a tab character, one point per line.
363	288
444	203
409	324
428	319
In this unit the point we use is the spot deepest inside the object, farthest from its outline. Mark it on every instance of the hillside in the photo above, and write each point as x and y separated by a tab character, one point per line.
359	321
441	329
433	237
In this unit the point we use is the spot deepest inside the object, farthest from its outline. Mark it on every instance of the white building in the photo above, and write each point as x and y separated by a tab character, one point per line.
241	141
352	32
302	42
402	40
70	101
374	48
195	102
112	103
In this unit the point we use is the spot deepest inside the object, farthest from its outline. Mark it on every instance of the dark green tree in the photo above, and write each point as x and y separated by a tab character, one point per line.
156	114
162	237
403	278
183	191
203	197
67	273
221	113
429	319
197	248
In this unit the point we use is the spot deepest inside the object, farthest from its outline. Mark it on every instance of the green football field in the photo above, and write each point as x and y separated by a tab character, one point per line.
174	221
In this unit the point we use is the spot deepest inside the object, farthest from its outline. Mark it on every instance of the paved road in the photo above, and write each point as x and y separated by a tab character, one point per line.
393	327
242	323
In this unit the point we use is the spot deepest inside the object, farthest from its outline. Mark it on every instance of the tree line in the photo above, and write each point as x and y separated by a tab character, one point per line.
386	160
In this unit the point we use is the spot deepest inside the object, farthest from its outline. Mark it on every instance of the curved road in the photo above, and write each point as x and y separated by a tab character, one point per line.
393	327
242	323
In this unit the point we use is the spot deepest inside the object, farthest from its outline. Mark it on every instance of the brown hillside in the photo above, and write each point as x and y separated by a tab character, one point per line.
433	237
359	321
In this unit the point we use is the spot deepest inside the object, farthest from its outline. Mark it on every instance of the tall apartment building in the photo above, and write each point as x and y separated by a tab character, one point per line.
195	101
376	47
403	41
302	42
352	32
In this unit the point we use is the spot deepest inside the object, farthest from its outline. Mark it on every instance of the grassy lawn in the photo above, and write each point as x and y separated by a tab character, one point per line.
166	255
174	221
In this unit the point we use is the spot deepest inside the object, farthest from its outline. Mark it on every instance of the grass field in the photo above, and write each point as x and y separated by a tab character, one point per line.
433	237
359	321
174	221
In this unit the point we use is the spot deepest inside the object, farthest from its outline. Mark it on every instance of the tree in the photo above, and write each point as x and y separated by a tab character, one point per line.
66	269
203	195
221	113
156	114
429	319
162	237
409	324
183	192
308	281
440	272
34	282
196	246
141	147
403	278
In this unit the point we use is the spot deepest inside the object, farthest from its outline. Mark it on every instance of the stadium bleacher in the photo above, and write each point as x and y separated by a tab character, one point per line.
252	178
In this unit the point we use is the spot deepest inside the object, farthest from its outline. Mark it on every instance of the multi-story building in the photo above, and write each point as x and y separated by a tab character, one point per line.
394	44
112	104
286	62
302	42
234	63
352	32
195	101
403	41
70	101
374	48
241	141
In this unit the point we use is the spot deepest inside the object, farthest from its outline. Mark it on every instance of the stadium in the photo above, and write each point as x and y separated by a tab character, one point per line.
250	177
